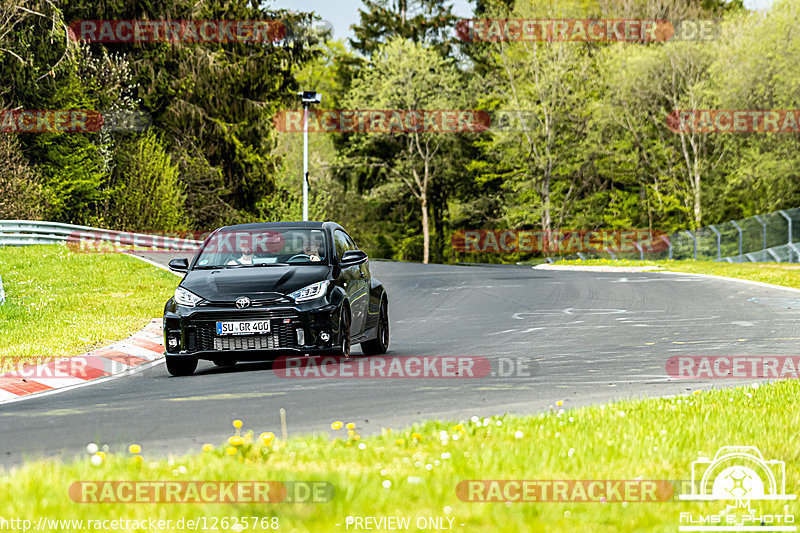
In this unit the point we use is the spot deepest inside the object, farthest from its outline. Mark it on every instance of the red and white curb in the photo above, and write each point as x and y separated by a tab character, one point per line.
144	346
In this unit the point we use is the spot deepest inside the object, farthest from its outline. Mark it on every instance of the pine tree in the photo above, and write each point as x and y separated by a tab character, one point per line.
422	21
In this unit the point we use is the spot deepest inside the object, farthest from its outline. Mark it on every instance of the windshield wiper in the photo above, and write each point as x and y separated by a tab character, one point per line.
219	267
265	265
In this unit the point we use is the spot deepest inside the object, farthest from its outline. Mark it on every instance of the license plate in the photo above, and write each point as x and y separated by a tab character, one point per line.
243	327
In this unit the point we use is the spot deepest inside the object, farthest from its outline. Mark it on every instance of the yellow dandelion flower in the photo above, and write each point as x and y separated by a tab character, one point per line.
102	454
237	424
356	437
350	432
458	427
208	447
134	449
336	425
559	403
351	425
416	436
236	440
230	450
267	437
136	459
401	441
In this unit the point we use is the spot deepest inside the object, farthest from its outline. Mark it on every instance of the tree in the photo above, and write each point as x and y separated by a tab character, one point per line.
214	102
754	67
406	76
41	68
542	87
658	81
22	195
146	192
421	21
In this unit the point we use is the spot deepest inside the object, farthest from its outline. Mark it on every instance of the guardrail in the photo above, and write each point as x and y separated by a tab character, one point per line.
29	232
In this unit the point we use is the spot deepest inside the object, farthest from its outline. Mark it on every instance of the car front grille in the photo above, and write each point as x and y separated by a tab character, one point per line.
253	342
203	337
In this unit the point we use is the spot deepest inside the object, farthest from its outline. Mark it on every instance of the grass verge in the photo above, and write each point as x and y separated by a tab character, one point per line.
787	275
60	303
414	473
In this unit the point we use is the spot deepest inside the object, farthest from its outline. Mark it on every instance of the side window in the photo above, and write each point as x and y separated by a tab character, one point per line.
350	244
340	241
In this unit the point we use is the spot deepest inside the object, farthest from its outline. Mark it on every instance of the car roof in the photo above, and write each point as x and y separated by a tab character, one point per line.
268	225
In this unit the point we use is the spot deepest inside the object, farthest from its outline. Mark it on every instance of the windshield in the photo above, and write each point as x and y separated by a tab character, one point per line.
238	248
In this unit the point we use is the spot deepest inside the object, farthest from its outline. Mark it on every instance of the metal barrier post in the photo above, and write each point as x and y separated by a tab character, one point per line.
669	244
788	242
789	222
739	229
793	246
764	247
719	240
694	241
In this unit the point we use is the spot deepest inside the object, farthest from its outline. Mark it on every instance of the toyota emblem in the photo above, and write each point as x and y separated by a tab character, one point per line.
242	302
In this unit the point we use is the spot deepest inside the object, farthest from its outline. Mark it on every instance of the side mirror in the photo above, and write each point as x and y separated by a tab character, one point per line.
179	265
353	258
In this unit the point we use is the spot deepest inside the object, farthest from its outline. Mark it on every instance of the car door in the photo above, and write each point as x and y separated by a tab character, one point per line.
363	283
356	284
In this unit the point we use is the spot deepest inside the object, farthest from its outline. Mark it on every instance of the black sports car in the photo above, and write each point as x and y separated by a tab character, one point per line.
255	291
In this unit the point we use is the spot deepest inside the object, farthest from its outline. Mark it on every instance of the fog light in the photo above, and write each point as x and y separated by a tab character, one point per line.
172	342
301	336
325	336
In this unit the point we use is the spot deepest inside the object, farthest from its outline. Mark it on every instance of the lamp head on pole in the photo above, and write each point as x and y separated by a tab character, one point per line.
310	97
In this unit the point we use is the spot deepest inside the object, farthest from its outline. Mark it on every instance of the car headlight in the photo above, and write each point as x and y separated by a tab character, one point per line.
186	298
311	292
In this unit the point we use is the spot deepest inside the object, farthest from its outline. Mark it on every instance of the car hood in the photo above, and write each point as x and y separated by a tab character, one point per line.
227	284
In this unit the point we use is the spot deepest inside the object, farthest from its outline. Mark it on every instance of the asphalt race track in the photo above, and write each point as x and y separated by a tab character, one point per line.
587	338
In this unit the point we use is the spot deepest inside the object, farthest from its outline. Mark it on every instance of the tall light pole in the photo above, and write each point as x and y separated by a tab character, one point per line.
307	98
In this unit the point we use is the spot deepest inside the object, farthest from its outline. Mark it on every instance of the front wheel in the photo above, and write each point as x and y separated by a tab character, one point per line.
380	344
181	366
343	350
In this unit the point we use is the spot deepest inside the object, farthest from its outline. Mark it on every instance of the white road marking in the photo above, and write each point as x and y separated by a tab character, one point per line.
645	280
725	278
157	265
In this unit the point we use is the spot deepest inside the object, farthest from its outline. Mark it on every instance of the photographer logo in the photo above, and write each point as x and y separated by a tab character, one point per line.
739	478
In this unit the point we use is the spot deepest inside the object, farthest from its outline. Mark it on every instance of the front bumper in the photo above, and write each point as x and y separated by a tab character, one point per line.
302	329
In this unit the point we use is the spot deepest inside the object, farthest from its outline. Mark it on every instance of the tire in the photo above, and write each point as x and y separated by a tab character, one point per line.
181	366
227	363
380	344
343	350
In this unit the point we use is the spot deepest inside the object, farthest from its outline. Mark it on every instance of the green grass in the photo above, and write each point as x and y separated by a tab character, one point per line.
654	439
787	275
60	303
